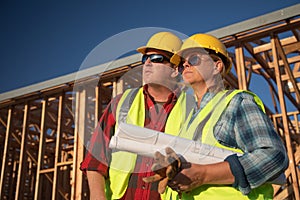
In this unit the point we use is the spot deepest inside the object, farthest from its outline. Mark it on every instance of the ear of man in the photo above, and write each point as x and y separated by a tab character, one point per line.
175	74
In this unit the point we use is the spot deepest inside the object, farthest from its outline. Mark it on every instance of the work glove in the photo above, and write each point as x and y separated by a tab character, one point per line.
165	168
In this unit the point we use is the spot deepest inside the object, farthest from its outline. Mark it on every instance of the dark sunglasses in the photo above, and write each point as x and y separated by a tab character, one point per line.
155	58
193	60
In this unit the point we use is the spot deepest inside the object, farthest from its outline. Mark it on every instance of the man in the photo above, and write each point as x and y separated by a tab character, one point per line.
228	119
118	175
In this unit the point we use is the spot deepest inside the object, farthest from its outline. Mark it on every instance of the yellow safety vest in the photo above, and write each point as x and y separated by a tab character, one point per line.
206	120
123	163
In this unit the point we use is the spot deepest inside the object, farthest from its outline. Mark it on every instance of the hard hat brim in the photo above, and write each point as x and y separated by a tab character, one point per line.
176	58
142	49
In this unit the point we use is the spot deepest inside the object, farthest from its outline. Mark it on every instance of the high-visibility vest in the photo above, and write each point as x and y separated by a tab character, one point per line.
204	124
131	109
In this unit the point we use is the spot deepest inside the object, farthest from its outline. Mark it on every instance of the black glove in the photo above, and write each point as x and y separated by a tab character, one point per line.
165	168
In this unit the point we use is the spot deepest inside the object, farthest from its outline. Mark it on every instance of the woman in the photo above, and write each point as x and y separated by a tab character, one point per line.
233	120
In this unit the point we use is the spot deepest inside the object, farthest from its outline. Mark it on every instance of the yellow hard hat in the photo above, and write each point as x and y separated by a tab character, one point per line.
208	42
165	41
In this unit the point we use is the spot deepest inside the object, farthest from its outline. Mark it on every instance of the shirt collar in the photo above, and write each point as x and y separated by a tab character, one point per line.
171	98
205	99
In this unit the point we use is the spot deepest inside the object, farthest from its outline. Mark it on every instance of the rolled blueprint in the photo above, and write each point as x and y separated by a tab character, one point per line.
144	141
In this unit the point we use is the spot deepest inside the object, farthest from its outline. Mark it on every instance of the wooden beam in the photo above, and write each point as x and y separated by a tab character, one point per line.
22	158
80	129
287	68
268	47
285	120
241	73
57	146
4	160
37	193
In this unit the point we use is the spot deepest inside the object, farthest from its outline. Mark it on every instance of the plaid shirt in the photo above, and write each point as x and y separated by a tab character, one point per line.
98	156
243	125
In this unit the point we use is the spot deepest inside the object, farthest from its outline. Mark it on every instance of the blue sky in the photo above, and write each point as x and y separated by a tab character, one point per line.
41	40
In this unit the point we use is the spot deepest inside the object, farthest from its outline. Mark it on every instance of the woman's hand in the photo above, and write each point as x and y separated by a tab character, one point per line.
194	175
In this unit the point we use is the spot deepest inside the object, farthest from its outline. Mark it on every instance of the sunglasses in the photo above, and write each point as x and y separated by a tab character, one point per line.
193	60
155	58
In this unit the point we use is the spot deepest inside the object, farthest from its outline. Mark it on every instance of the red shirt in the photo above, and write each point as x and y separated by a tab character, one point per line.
99	154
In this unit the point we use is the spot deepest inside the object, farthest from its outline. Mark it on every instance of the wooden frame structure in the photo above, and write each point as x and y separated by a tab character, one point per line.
43	127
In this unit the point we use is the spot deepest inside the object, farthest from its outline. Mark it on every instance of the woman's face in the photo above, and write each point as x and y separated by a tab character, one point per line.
196	67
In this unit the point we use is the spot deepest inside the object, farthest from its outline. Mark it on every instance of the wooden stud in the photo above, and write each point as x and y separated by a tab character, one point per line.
285	119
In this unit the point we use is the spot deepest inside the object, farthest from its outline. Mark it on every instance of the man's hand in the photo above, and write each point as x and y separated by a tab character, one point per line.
97	185
165	168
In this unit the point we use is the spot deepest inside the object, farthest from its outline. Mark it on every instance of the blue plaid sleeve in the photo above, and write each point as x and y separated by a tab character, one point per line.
245	126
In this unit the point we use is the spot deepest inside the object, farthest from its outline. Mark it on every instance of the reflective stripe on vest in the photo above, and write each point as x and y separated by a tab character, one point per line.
131	108
202	128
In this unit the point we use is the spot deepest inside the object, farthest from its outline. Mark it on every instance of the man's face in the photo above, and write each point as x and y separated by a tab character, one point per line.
157	68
